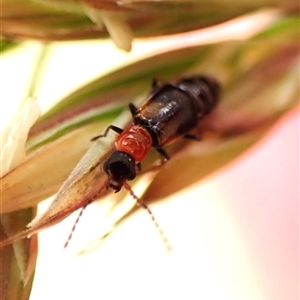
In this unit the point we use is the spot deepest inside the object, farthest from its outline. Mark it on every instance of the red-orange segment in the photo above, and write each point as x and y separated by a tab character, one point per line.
135	141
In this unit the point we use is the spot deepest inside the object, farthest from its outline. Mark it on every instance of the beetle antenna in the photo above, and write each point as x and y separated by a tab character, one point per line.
76	222
146	207
80	214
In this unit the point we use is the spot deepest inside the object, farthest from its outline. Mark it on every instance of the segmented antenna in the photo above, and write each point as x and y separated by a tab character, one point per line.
80	214
76	222
139	201
145	206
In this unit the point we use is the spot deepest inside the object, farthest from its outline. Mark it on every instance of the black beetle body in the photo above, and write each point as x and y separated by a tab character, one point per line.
171	111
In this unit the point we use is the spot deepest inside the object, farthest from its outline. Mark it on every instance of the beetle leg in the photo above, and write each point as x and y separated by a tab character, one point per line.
110	127
163	154
139	166
191	137
133	109
157	83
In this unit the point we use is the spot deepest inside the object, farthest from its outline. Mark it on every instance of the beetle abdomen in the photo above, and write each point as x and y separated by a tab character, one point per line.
174	109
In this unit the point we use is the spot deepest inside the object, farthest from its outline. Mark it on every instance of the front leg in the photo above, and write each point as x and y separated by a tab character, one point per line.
133	109
110	127
139	166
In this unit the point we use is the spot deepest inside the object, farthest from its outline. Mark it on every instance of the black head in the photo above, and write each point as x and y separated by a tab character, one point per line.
119	167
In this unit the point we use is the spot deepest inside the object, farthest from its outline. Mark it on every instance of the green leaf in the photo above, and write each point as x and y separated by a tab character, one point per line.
6	44
70	20
18	260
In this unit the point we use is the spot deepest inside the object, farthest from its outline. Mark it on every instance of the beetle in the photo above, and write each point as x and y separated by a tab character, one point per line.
171	111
